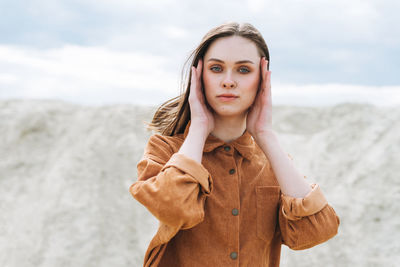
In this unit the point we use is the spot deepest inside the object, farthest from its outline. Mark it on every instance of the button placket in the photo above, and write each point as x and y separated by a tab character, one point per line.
227	149
234	211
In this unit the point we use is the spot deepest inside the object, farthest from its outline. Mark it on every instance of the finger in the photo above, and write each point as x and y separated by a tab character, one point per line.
199	66
266	75
195	89
199	71
265	66
262	66
193	82
266	85
194	77
262	73
260	84
268	88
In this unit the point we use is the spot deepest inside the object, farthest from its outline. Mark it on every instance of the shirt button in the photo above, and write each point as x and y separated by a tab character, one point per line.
234	255
235	212
227	148
231	171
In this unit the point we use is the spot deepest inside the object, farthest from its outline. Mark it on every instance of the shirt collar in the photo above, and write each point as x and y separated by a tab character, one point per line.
244	144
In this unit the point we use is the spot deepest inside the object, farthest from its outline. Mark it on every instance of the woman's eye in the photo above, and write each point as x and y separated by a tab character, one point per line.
216	68
244	70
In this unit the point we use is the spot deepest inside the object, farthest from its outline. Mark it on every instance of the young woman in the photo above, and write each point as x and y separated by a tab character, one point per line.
215	175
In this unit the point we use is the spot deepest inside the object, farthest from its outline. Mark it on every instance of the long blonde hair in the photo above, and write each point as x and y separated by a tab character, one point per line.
173	115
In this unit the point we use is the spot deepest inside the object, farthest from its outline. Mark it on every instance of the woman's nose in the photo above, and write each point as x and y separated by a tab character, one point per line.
228	82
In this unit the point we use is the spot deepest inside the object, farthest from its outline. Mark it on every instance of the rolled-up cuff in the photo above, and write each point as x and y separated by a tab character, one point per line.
296	208
193	168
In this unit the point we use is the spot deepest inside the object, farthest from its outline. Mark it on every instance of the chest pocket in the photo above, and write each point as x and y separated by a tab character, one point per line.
267	211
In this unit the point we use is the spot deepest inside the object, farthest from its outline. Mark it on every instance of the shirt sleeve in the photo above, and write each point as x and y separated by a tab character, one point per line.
172	186
306	222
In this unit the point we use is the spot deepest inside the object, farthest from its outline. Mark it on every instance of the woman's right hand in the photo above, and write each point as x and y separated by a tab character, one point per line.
201	116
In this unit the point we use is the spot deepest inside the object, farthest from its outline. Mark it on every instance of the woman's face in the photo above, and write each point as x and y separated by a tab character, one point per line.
231	75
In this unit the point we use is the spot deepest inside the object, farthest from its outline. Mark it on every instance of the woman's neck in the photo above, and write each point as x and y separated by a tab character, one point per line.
228	129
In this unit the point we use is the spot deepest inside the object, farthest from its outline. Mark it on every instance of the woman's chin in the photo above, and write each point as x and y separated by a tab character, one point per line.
227	112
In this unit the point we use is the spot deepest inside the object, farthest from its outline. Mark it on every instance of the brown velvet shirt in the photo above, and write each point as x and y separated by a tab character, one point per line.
226	211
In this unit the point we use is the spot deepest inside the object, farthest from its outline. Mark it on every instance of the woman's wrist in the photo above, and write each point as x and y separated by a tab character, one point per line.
265	135
199	129
194	142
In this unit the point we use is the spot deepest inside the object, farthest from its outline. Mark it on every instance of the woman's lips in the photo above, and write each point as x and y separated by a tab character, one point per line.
227	98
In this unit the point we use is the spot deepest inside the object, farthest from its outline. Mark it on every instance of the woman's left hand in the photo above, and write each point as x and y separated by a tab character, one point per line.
259	117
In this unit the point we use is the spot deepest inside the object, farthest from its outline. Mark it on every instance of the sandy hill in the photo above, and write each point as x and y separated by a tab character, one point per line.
65	172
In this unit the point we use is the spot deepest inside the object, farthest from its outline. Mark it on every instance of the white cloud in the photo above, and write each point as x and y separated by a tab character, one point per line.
96	75
122	6
175	32
58	12
256	6
75	71
6	78
331	94
140	47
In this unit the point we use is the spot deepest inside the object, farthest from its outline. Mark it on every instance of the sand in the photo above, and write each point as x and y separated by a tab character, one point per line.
65	172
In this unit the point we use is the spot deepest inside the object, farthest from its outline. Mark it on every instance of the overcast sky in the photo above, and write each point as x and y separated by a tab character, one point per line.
124	51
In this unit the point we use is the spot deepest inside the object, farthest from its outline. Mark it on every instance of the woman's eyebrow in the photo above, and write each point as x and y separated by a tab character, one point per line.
237	62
